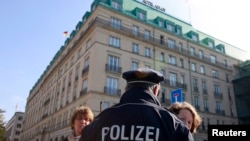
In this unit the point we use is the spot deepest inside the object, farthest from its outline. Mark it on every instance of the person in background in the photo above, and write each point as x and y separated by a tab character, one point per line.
138	115
187	113
81	117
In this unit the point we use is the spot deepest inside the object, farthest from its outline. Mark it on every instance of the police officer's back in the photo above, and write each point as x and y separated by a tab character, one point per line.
138	116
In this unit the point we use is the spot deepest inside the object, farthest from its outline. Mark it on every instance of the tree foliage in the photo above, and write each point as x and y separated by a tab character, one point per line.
2	125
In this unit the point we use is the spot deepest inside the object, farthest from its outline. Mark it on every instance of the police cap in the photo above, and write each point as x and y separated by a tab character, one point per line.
143	75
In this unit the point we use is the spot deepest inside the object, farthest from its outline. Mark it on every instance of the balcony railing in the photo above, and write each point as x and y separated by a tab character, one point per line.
174	84
220	112
141	36
206	109
83	91
85	70
113	68
218	95
112	91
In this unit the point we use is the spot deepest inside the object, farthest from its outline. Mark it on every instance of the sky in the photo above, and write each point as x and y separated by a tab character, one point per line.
32	33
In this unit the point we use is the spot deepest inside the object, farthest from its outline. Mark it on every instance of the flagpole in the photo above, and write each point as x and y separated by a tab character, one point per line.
189	12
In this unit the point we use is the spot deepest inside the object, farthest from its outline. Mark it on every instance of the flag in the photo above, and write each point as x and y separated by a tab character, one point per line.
65	33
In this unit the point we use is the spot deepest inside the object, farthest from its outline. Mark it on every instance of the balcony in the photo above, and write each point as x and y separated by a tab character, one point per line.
106	24
174	84
83	91
76	78
195	89
112	91
46	102
206	109
218	95
204	91
197	107
113	68
220	112
85	70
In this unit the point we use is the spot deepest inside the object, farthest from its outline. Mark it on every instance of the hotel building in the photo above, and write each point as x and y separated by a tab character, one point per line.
120	35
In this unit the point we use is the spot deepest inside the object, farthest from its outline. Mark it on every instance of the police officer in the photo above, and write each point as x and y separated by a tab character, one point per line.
138	116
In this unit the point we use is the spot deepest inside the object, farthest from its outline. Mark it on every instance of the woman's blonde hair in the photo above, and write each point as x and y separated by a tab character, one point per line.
176	107
84	111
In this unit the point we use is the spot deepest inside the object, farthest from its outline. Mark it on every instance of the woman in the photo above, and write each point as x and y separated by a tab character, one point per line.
81	117
187	113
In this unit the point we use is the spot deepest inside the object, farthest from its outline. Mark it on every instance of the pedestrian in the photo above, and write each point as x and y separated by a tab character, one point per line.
186	112
138	115
81	117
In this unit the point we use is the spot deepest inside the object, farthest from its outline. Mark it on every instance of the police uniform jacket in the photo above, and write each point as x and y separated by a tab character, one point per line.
137	117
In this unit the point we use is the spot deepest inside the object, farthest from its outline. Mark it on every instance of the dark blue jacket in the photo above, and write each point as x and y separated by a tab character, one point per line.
138	116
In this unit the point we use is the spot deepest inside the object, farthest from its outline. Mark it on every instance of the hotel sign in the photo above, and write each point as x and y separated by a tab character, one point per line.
149	3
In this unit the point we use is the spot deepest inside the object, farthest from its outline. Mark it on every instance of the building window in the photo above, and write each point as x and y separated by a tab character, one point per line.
116	5
162	39
194	37
115	23
74	93
86	63
147	52
217	89
113	63
193	67
218	106
105	105
163	72
196	102
147	66
72	61
171	43
181	63
195	85
114	42
227	77
112	85
141	15
17	132
170	27
191	51
172	79
88	44
178	30
205	105
84	85
182	79
20	118
180	46
200	54
215	74
172	60
135	30
79	53
210	44
163	95
204	87
160	23
202	69
134	65
135	48
18	126
146	34
212	59
162	57
225	63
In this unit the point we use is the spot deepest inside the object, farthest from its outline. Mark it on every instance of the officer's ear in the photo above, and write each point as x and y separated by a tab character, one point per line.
156	89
